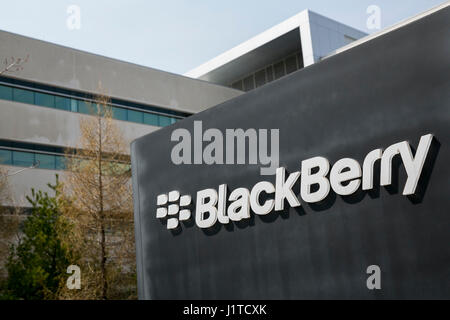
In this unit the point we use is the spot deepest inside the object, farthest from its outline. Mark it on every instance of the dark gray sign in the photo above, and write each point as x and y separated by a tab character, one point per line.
388	239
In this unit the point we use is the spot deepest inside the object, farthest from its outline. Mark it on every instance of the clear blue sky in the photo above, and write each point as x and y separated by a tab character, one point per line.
179	35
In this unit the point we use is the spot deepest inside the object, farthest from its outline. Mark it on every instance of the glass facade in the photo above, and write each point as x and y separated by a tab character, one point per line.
25	154
83	106
29	158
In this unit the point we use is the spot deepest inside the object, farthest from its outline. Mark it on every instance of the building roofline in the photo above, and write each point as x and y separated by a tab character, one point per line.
114	59
255	42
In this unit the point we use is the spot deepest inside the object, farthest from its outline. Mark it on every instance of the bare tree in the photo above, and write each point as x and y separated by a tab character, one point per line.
4	229
98	200
13	64
9	220
4	188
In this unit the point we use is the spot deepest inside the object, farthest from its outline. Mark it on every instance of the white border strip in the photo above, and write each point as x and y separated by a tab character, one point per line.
249	45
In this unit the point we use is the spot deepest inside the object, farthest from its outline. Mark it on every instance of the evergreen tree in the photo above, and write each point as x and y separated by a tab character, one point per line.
37	264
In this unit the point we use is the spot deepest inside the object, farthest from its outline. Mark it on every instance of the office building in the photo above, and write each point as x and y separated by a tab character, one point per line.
42	104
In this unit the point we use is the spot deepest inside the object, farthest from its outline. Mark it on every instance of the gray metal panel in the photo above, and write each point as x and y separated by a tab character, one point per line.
393	88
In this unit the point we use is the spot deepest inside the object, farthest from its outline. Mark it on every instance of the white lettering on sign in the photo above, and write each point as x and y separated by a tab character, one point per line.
345	178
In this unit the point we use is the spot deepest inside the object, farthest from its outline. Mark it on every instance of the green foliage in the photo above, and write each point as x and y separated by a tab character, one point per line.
37	264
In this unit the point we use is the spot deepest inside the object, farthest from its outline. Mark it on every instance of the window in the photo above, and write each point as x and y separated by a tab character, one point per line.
43	99
269	73
74	105
151	119
86	107
42	156
28	159
62	103
279	69
21	95
248	83
6	92
46	161
291	64
60	163
135	116
260	78
23	159
237	85
119	113
164	121
5	157
83	104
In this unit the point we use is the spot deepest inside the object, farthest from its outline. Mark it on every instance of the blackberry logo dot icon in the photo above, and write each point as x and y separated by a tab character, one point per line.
173	207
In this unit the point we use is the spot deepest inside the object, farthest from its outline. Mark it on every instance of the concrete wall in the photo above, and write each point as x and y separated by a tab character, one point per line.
69	68
20	184
24	122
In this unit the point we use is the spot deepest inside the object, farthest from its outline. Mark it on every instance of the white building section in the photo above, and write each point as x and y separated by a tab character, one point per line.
297	42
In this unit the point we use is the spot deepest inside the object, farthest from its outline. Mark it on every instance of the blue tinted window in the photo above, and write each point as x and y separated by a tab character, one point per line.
85	107
60	163
106	108
73	105
164	121
43	99
81	106
151	119
46	161
62	103
5	157
135	116
21	95
23	159
119	113
95	107
6	92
